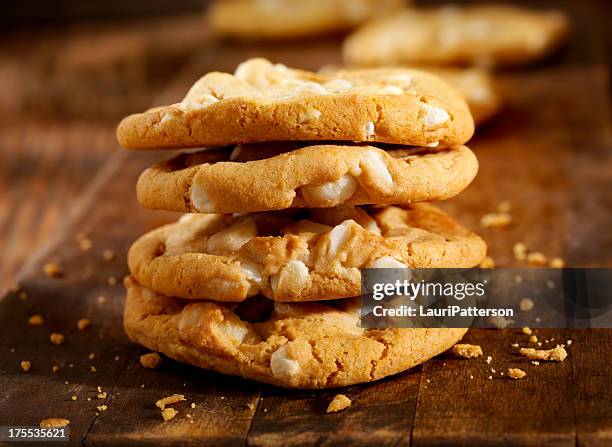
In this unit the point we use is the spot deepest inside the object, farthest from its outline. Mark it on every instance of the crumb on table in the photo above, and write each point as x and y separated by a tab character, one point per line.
466	350
169	400
339	402
54	423
556	354
516	373
151	360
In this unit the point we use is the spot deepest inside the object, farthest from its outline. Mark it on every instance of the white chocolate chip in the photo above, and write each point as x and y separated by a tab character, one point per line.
237	333
392	90
339	235
309	116
251	272
200	200
235	152
338	85
369	129
294	275
434	116
281	365
376	171
232	238
386	262
331	193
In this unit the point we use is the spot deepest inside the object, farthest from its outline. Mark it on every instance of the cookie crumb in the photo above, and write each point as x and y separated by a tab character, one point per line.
102	407
108	255
56	338
55	368
73	398
93	369
116	359
112	280
496	220
339	402
569	342
526	304
151	360
557	263
516	373
84	242
526	330
557	354
168	414
91	356
520	251
515	345
489	359
25	365
251	406
101	299
487	263
54	423
53	270
84	323
193	405
550	284
536	363
466	350
533	339
169	400
490	377
518	279
536	259
36	320
102	395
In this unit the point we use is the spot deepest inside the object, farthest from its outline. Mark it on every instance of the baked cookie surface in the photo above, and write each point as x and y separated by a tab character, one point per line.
474	84
280	19
488	35
264	177
296	255
264	102
295	345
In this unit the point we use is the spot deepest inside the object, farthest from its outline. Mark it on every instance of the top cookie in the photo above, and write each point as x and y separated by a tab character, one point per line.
492	35
243	19
264	102
476	85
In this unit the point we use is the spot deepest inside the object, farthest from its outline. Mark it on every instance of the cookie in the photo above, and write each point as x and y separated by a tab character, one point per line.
264	102
489	35
294	345
264	177
283	19
296	255
474	84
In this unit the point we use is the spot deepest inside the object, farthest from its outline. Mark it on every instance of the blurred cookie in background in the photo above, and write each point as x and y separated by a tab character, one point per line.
279	19
486	35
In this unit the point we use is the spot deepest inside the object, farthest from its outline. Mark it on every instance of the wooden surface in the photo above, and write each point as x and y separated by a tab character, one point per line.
549	153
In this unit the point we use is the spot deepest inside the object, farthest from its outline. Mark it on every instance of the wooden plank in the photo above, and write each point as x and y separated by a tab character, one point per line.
593	386
384	410
458	403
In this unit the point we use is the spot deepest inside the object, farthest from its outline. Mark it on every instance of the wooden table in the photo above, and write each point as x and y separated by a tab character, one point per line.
549	153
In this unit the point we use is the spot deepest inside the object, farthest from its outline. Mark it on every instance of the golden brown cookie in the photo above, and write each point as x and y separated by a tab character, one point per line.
295	345
474	84
264	177
296	255
282	19
265	102
487	35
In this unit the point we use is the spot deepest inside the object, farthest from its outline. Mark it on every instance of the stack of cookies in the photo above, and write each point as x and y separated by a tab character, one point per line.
307	179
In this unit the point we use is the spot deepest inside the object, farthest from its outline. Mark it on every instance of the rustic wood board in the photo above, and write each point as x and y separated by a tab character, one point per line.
549	154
